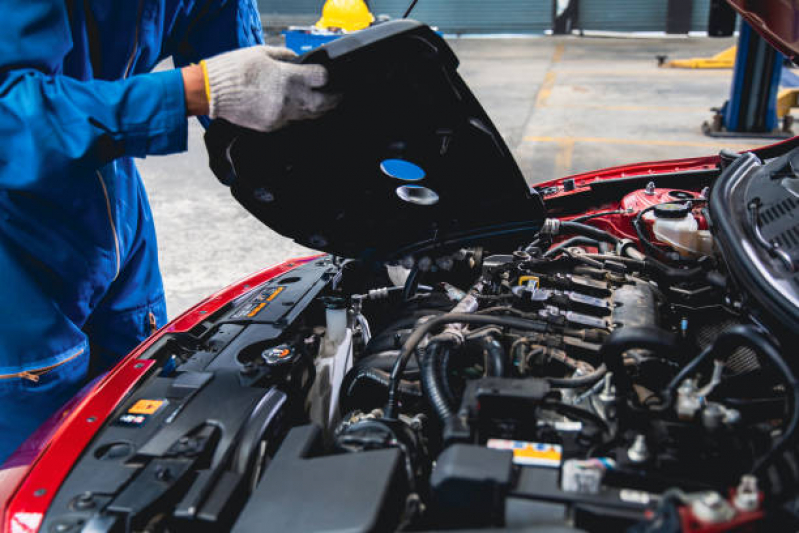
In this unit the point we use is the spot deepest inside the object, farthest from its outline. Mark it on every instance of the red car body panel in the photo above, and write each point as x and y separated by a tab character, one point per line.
777	21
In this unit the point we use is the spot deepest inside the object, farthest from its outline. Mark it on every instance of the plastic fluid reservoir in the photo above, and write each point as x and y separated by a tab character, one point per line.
675	225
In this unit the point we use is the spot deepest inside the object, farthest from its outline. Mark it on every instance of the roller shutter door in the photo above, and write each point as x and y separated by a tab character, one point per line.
636	15
450	16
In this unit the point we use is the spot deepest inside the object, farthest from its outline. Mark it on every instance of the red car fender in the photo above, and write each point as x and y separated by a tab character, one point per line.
31	477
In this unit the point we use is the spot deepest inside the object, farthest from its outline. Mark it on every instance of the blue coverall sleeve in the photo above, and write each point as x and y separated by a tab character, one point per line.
52	126
205	28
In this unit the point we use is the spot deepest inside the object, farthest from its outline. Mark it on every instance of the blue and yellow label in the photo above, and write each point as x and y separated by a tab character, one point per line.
530	453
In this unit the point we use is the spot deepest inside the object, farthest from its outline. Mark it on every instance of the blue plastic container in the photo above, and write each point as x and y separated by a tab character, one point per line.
302	41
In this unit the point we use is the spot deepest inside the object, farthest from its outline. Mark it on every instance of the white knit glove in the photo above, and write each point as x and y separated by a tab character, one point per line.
256	88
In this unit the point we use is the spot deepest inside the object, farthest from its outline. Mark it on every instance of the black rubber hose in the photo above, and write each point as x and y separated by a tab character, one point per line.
450	318
623	339
442	371
431	386
662	272
494	356
574	241
372	383
724	345
581	381
585	230
411	284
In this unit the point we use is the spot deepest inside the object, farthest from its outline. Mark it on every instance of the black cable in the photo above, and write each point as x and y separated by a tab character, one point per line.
419	333
596	215
410	8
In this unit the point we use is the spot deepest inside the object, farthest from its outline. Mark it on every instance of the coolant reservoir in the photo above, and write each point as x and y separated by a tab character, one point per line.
676	226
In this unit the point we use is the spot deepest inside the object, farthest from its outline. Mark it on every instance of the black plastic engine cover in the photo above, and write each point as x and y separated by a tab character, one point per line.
322	182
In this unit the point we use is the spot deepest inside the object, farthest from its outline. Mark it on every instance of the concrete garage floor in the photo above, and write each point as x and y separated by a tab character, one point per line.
564	104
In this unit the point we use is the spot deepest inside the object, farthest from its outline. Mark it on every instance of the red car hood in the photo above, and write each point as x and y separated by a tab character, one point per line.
775	20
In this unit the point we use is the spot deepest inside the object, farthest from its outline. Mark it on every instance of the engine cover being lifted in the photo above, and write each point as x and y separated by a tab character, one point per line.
408	162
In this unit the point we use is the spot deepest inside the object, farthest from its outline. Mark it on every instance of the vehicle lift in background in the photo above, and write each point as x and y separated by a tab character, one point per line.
751	110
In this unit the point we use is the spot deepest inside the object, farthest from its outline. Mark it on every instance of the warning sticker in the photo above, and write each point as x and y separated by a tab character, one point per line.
257	304
132	420
530	453
146	407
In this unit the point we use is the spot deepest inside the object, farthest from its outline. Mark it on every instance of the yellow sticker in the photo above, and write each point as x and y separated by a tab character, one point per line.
146	407
530	453
524	279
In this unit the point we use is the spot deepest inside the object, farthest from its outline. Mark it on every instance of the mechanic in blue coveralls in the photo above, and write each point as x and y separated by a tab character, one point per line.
78	263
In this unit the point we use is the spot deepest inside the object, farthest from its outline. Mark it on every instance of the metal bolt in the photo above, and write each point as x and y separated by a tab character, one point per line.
638	452
84	501
650	189
91	419
521	255
163	473
39	492
711	507
608	394
747	495
138	365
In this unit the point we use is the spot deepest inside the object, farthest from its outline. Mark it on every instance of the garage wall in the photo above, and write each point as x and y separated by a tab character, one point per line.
499	16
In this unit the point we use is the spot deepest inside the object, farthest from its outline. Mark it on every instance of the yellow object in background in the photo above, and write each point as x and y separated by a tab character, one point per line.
786	99
347	15
725	59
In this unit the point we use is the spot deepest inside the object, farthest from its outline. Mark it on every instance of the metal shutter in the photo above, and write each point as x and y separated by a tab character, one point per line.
636	15
700	15
450	16
623	15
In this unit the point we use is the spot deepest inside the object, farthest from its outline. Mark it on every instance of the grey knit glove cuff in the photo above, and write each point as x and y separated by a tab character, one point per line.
256	88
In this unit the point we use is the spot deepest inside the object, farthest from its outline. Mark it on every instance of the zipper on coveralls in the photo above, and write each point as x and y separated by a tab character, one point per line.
36	373
128	68
112	223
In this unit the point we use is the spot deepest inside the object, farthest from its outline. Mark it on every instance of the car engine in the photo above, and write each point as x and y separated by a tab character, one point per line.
611	371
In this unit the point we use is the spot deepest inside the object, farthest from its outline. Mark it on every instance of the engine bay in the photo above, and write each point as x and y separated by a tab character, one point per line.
608	372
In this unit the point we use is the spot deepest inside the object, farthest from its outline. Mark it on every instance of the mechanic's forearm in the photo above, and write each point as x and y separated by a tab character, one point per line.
194	86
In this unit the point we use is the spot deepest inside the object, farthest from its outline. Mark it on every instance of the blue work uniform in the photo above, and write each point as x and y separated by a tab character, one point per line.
78	262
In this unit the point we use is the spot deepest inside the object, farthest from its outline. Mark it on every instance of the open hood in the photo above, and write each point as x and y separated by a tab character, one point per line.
776	20
409	161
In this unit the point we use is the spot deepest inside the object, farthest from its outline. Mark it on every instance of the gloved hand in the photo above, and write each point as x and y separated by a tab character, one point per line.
256	88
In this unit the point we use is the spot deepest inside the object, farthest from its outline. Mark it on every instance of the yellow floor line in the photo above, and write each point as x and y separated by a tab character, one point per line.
563	157
549	78
675	109
645	72
638	142
546	89
558	53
